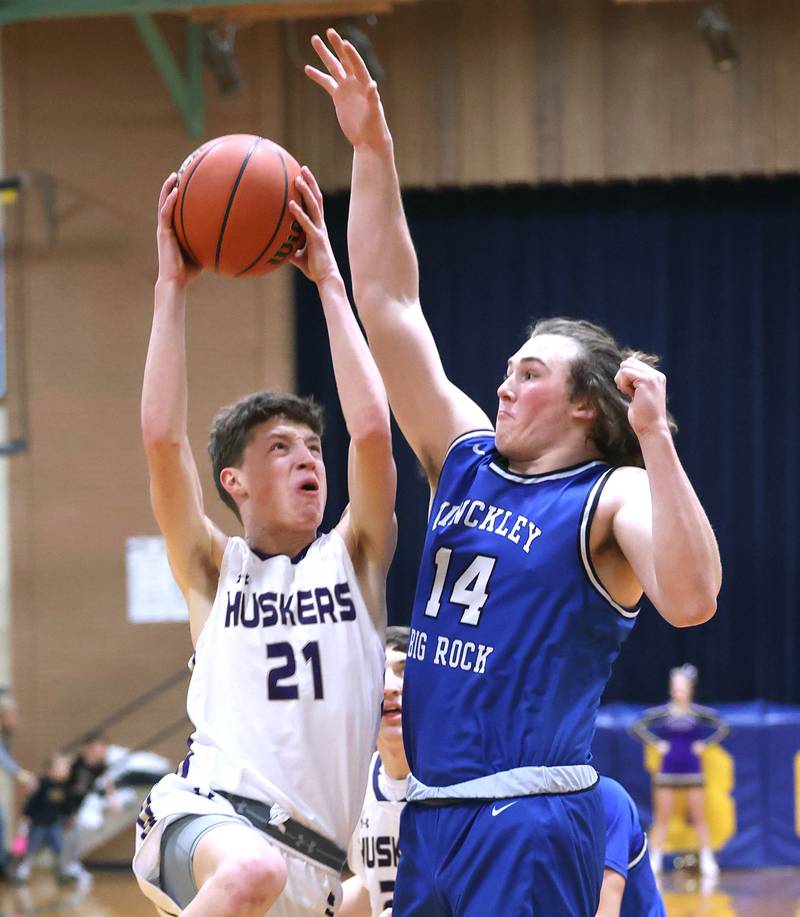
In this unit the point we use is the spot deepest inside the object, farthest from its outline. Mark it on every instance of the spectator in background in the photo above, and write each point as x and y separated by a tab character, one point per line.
45	811
680	731
88	770
8	723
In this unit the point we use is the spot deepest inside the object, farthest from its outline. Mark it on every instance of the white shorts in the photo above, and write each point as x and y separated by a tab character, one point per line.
311	890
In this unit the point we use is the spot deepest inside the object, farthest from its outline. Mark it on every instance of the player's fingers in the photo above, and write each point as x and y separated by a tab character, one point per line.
328	83
332	63
168	185
624	383
167	208
308	225
355	62
313	209
312	183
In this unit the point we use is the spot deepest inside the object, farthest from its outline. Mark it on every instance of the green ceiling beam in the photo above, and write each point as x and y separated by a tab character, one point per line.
185	88
21	10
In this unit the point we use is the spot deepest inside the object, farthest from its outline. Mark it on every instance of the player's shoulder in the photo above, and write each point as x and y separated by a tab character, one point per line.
617	801
471	443
624	482
613	790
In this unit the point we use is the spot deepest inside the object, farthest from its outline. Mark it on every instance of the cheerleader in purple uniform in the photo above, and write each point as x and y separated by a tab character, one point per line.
680	731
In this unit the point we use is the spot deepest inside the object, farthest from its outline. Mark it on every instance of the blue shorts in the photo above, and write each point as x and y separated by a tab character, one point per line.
533	855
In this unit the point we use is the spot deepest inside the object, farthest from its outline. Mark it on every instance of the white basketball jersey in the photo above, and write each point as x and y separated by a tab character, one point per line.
287	686
374	850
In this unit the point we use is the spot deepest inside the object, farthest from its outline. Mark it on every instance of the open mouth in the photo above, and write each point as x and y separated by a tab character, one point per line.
391	712
310	487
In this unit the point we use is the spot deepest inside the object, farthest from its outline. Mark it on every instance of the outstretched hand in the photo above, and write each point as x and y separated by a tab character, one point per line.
647	389
315	259
172	265
354	92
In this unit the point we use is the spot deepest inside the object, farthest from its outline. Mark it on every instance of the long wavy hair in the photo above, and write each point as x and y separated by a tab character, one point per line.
592	378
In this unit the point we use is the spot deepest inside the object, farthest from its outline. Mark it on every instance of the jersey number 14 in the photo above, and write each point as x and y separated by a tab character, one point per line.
471	589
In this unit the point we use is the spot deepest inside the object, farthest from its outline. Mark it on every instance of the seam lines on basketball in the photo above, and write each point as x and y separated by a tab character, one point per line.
266	248
189	177
230	200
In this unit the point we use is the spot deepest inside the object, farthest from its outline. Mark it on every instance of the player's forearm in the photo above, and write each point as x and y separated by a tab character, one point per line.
361	392
685	554
382	257
164	389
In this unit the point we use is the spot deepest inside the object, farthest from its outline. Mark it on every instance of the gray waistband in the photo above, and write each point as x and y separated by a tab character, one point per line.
520	781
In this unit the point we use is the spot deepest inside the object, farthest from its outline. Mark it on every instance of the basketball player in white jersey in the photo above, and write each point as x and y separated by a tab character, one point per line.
374	849
287	625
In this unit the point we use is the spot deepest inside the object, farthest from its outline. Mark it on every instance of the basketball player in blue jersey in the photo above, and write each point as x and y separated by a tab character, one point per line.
287	625
629	886
544	531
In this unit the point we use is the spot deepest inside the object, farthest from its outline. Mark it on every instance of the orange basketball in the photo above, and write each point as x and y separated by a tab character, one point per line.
232	211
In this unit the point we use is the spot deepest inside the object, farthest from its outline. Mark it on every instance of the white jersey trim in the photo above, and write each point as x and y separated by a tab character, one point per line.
541	478
586	518
639	855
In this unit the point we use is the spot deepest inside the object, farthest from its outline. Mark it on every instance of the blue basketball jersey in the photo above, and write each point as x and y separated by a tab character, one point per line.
626	852
513	635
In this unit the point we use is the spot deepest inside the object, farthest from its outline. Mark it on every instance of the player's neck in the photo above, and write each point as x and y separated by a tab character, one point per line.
554	458
393	758
274	542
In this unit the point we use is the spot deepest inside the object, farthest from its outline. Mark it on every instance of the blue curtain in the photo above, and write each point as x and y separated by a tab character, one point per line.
704	274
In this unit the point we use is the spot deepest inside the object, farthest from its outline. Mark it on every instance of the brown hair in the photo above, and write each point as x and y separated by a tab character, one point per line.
232	429
592	377
396	638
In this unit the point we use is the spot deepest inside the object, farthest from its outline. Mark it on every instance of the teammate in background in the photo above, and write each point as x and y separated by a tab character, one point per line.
287	625
542	535
629	886
374	849
680	731
44	813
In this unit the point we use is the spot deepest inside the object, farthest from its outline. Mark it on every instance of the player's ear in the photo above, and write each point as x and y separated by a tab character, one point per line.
232	483
583	409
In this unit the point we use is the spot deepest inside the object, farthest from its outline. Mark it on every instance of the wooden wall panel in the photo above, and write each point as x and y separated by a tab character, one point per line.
537	91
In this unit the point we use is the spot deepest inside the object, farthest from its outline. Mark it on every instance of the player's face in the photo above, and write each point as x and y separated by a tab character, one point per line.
283	476
534	410
391	719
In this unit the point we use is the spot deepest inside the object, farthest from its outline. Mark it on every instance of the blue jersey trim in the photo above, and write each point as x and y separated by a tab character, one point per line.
583	535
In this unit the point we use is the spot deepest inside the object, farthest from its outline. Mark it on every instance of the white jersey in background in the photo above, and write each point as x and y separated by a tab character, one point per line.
285	697
374	851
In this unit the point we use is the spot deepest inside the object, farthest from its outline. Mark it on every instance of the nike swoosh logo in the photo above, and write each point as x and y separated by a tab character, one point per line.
496	811
479	450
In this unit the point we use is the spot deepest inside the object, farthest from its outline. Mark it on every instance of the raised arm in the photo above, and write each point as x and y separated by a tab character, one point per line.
368	526
659	522
430	410
194	545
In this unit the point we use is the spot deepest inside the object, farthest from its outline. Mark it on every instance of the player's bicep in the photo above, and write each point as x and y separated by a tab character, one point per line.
430	410
372	485
611	894
193	542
